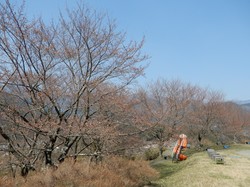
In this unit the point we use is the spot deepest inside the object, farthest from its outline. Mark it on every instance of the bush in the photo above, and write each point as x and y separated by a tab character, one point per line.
151	153
114	171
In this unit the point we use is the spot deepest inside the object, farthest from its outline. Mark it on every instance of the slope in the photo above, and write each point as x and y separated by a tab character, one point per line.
200	170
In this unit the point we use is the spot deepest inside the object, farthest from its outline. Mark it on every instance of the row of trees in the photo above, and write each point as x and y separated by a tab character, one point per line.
200	113
64	91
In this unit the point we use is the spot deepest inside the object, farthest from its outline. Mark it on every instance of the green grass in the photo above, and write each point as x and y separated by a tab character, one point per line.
166	167
200	170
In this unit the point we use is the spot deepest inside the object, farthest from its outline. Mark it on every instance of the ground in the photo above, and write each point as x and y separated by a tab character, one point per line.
200	170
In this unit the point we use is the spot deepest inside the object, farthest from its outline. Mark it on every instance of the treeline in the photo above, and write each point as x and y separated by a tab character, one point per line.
65	92
200	113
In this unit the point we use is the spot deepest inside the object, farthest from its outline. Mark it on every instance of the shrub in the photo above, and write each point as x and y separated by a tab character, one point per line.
114	171
151	153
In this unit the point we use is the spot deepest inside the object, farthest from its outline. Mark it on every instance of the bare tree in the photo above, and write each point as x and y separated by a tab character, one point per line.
236	119
52	78
205	116
165	106
174	107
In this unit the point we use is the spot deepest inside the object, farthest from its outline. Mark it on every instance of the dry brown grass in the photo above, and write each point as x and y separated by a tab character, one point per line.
112	172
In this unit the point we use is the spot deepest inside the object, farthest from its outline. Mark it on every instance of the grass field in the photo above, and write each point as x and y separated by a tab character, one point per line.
200	170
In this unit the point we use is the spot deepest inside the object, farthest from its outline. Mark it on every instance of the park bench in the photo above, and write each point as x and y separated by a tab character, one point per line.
215	156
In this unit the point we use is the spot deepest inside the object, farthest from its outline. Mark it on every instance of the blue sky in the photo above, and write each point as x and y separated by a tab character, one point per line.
203	42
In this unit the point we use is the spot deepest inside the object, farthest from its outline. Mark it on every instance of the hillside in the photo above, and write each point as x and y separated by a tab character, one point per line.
246	106
200	170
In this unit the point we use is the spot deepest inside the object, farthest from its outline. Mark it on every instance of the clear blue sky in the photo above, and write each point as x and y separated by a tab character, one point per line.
203	42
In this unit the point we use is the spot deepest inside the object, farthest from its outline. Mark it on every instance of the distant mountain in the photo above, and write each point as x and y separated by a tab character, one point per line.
244	104
247	104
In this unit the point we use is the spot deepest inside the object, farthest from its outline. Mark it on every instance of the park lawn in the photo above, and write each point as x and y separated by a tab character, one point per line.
200	170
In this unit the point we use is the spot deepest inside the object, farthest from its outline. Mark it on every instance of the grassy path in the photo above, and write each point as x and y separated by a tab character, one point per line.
200	171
